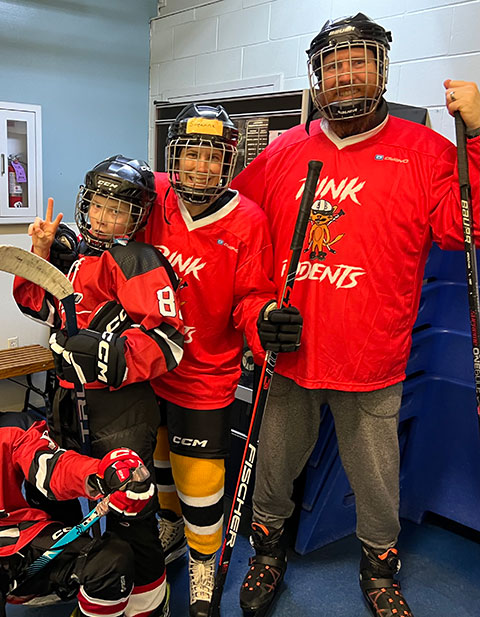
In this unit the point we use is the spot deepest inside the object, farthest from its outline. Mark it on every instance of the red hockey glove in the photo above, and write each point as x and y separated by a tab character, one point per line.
123	476
90	356
279	329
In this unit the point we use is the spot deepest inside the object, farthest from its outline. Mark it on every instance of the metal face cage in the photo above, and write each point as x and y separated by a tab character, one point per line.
348	79
104	220
200	168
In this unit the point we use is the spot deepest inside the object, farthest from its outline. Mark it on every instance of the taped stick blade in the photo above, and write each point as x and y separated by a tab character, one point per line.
23	263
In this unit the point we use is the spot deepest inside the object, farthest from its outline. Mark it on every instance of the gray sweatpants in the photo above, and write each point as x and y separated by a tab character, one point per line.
366	425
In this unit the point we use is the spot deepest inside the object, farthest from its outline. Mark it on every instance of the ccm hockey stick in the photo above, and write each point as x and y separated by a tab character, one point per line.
261	398
29	266
470	252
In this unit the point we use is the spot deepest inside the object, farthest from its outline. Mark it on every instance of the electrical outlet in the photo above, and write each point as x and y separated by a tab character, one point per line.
12	342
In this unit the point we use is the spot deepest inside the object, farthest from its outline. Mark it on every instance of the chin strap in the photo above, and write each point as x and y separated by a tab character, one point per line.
311	116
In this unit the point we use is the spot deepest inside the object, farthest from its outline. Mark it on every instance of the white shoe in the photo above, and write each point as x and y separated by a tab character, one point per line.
202	579
172	537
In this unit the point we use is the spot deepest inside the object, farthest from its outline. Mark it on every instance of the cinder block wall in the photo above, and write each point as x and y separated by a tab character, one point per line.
259	45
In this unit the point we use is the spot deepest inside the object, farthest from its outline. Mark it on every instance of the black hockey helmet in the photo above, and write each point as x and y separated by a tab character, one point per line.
357	31
120	186
208	136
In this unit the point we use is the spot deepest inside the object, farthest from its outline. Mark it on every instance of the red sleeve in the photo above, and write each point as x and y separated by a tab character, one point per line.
57	474
253	285
35	302
155	344
445	208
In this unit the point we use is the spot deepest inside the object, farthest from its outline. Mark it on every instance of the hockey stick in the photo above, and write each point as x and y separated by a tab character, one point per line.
314	168
33	268
469	247
67	537
140	474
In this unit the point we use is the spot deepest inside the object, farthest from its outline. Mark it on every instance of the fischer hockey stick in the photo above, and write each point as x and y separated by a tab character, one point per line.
29	266
470	252
261	398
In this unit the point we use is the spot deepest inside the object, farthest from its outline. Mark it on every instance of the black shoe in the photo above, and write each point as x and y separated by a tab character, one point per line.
172	538
380	589
267	569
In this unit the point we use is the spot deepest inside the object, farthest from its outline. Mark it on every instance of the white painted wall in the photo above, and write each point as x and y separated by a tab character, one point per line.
219	45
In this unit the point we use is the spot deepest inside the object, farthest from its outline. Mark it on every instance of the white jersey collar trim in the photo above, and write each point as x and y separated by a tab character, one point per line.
353	139
211	218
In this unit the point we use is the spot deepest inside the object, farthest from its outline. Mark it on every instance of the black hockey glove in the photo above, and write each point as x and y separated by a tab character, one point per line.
110	317
64	250
90	356
279	329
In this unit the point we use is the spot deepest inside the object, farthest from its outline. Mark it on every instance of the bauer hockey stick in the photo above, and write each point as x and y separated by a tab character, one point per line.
469	247
29	266
261	398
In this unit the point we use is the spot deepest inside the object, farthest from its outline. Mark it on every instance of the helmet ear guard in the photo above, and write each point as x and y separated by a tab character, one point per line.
358	32
121	186
201	153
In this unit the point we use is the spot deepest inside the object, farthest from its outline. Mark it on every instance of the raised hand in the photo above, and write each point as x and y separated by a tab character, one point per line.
43	231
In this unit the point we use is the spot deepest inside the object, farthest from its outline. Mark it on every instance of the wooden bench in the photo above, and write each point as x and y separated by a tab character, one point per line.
27	361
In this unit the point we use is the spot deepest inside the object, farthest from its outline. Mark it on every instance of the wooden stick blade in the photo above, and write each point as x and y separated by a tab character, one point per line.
20	262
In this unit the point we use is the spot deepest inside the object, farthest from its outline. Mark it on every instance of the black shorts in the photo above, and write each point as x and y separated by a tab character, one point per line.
199	433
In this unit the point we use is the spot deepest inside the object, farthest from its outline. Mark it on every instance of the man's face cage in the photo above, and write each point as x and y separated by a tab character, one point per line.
348	85
104	220
200	169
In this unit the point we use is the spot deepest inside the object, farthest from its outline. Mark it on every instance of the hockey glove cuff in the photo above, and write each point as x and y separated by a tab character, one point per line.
279	329
110	317
90	356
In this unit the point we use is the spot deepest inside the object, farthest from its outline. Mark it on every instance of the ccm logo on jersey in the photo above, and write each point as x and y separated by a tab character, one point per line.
187	441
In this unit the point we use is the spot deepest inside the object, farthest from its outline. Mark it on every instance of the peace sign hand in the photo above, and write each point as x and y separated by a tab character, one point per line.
43	231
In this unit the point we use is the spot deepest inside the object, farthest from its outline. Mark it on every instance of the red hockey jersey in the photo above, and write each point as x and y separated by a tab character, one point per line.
28	452
381	199
139	278
224	262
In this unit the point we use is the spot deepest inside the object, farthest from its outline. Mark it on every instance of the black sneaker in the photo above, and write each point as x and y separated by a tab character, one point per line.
172	538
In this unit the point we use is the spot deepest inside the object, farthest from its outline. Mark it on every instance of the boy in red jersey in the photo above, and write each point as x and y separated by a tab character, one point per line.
395	186
130	331
219	245
99	572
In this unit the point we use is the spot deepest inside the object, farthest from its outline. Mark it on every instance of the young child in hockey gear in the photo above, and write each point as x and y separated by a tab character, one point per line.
360	304
130	331
98	572
219	244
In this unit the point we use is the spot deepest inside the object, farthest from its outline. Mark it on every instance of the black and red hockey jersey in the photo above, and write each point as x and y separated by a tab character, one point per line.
28	452
382	198
224	262
138	277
